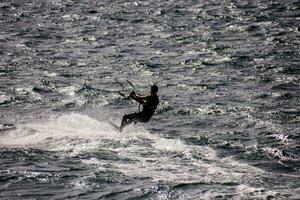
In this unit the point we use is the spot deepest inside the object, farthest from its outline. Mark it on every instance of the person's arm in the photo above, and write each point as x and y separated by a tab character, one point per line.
139	99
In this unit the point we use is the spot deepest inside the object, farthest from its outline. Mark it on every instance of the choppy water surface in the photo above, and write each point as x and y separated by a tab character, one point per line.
227	126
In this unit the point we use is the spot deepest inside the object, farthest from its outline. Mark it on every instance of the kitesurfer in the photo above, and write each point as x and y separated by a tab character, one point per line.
149	104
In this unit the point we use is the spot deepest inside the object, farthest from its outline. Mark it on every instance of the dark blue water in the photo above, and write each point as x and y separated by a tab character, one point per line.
227	126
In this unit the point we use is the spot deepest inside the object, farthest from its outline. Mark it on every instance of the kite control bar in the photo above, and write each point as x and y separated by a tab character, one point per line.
122	94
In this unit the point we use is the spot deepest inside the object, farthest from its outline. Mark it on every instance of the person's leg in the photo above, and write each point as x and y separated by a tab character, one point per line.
128	119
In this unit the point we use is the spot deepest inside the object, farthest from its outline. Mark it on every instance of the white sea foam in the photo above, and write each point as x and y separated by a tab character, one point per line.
245	191
28	91
151	155
73	125
48	74
69	90
4	98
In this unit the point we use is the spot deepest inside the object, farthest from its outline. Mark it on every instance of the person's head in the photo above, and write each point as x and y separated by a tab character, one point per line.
154	89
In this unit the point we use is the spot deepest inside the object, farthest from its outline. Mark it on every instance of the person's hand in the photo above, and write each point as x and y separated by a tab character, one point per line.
132	94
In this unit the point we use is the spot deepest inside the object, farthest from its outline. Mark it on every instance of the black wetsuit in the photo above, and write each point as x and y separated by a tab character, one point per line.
145	115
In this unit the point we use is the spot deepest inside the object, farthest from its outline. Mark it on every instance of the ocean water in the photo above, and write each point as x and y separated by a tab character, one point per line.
227	126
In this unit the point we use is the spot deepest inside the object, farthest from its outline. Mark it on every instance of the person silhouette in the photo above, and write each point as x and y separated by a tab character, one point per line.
149	104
